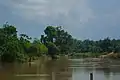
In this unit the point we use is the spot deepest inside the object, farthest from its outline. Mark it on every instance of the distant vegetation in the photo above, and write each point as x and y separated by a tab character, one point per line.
56	41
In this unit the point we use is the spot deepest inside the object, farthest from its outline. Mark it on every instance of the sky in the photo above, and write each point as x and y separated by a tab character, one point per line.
83	19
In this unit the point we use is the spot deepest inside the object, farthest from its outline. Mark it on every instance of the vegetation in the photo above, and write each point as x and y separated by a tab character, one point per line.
14	48
56	41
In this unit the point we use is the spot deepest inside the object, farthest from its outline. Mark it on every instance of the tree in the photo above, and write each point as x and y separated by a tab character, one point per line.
51	33
37	48
60	38
10	47
63	40
52	49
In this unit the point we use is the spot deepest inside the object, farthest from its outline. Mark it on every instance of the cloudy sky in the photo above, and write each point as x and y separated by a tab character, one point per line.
93	19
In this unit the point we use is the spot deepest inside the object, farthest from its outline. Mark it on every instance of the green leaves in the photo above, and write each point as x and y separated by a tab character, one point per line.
51	33
57	40
10	46
52	49
36	48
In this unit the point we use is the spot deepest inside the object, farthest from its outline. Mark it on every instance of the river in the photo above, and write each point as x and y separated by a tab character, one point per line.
63	69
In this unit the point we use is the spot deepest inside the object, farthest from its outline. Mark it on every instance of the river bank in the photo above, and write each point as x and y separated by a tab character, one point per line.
111	55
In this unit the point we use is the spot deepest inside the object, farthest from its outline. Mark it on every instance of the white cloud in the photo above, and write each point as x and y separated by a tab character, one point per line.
66	12
83	18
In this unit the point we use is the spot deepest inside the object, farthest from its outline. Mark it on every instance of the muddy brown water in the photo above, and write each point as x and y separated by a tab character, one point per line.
63	69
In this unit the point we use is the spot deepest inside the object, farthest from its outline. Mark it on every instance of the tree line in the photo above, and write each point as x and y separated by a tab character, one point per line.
15	47
106	45
55	41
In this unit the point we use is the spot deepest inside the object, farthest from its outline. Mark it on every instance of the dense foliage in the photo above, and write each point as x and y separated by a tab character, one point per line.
106	45
56	41
14	48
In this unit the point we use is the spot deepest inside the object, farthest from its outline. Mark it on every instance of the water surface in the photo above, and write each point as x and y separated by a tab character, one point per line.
63	69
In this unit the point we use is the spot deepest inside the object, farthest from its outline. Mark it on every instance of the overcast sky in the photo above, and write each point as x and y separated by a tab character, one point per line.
93	19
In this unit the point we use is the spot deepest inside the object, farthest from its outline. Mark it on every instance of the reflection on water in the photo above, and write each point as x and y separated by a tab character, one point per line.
62	69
